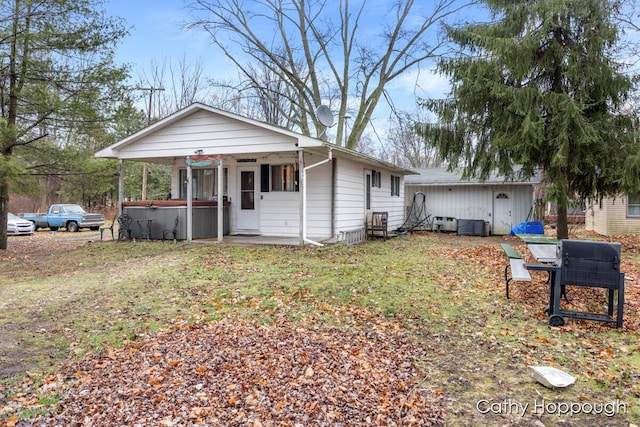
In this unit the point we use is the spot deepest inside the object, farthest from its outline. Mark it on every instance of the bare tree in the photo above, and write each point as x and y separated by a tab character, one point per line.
268	96
260	94
404	146
318	50
628	17
173	85
169	87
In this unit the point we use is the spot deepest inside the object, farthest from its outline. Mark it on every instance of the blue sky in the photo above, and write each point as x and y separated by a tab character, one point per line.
155	28
157	34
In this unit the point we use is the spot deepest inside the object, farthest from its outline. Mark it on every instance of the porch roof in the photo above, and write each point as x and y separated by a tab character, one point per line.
442	176
185	132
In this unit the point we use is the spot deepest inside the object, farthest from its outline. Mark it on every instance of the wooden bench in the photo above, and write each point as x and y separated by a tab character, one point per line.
377	223
519	272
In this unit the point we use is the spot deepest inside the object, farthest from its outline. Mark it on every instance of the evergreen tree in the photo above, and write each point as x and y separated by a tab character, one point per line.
57	77
539	86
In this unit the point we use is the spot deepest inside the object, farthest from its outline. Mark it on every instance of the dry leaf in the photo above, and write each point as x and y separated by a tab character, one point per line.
226	365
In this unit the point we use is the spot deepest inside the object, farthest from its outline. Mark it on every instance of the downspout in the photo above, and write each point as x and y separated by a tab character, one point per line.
333	197
189	201
304	198
301	204
120	186
220	200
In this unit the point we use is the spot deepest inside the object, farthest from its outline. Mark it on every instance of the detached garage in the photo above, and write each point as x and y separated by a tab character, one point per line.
447	197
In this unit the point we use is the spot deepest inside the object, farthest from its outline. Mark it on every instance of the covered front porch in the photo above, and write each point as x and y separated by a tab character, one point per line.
229	176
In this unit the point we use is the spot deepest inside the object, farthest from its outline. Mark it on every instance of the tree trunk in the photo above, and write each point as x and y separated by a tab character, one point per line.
4	208
562	227
9	141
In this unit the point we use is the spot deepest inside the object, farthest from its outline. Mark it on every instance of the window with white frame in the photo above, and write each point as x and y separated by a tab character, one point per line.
376	179
633	205
279	178
204	183
395	185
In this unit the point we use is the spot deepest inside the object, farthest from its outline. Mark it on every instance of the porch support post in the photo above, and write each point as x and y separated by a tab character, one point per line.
302	188
189	202
220	200
120	185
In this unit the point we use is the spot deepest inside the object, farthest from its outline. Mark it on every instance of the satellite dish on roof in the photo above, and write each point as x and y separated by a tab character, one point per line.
324	115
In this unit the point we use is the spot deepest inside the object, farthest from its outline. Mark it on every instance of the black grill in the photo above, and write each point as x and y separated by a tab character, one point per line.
589	264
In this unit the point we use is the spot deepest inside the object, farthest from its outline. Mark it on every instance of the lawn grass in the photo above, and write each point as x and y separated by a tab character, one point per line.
444	293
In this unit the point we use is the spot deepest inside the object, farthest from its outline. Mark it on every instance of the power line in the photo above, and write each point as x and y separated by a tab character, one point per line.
151	90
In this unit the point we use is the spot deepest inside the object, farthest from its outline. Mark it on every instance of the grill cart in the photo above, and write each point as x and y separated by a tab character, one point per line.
588	264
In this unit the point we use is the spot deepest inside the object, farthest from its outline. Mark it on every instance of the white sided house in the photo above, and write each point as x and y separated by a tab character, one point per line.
613	216
499	203
271	181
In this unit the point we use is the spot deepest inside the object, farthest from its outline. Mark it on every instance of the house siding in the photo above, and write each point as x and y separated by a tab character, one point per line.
611	219
350	209
319	186
280	214
350	200
279	211
214	134
382	200
335	193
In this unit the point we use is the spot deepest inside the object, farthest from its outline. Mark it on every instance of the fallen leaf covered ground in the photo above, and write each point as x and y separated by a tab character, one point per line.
239	374
580	299
423	364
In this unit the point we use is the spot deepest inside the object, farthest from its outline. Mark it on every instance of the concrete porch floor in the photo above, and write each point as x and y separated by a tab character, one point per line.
239	239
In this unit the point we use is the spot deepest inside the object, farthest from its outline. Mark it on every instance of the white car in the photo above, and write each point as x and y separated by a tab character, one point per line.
19	226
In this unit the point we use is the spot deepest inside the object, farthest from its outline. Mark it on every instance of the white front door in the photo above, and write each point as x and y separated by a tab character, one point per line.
502	206
248	213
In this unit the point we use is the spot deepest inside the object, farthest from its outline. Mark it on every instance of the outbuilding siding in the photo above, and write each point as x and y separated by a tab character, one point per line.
475	202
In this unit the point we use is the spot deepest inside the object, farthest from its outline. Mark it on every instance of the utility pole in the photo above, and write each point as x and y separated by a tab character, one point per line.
344	127
143	195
